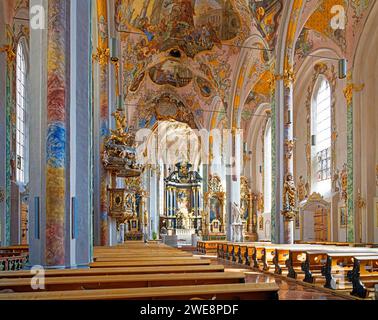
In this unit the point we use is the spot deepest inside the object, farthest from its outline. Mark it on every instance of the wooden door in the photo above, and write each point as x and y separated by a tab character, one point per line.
321	224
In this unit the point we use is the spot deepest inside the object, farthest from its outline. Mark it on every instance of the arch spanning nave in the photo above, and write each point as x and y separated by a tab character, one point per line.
184	120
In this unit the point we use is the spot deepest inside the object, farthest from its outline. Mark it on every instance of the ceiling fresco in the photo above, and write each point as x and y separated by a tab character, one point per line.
191	25
317	32
189	51
267	15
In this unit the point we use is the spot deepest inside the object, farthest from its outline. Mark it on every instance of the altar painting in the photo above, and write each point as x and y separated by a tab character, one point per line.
215	209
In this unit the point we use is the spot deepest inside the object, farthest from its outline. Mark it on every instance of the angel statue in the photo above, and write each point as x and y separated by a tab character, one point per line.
119	135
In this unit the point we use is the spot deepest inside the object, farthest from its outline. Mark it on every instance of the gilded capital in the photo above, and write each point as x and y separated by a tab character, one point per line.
350	88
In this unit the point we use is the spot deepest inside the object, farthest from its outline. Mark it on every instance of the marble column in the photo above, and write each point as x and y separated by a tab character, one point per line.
4	166
59	204
287	81
107	225
349	91
233	178
57	135
154	207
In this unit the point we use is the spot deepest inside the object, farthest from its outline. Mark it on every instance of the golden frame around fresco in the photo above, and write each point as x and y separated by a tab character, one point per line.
220	198
216	194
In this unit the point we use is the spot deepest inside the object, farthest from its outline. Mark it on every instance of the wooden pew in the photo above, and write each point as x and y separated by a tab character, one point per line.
296	263
257	256
337	266
142	254
177	262
314	264
297	257
207	247
243	291
364	275
269	256
124	281
144	258
115	271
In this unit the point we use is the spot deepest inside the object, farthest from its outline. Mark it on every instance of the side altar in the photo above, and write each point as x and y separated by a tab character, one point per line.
182	215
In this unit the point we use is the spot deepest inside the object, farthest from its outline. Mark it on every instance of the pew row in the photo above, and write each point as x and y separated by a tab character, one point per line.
123	281
242	291
115	271
144	263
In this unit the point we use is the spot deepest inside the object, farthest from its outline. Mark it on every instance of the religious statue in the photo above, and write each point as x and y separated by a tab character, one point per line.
336	181
120	135
302	192
344	182
260	202
289	194
145	218
183	214
237	225
236	214
289	148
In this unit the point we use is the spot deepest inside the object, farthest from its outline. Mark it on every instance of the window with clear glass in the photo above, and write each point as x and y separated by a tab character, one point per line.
321	128
21	113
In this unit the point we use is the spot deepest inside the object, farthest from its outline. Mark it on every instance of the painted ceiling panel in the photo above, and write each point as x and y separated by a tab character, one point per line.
188	50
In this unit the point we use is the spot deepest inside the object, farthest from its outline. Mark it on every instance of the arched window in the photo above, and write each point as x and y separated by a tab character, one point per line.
21	114
321	130
268	167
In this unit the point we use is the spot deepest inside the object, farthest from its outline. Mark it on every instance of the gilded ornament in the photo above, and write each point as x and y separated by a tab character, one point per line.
289	148
289	197
11	55
102	56
350	88
344	182
361	203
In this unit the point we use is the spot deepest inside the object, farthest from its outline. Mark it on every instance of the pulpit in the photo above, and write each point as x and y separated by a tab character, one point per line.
119	161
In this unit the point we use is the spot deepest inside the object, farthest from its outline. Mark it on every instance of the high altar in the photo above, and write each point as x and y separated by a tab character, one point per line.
182	203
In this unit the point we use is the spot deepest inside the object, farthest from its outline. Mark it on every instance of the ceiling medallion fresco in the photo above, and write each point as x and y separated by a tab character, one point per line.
192	25
162	108
172	73
204	86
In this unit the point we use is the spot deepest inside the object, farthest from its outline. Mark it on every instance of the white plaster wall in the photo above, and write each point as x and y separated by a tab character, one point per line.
301	87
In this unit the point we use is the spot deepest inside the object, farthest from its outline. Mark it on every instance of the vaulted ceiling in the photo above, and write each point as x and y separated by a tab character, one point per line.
181	58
